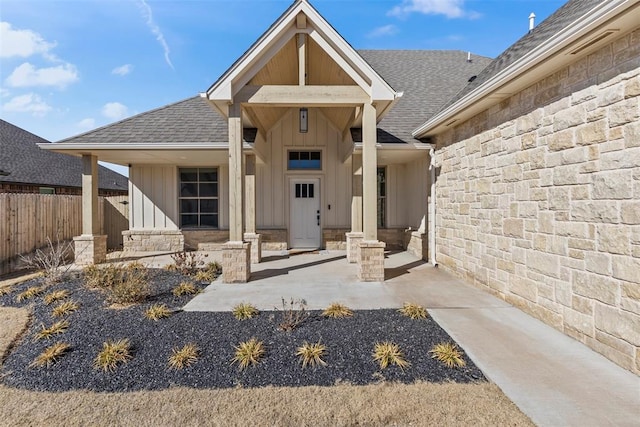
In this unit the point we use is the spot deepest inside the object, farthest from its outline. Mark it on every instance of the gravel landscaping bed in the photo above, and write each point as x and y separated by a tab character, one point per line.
349	345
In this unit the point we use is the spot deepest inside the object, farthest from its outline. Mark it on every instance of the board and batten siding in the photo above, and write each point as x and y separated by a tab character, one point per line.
153	200
273	177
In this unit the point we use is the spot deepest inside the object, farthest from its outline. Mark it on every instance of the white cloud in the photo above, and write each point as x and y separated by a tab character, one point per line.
22	43
114	110
29	103
26	75
86	124
449	8
147	14
386	30
123	70
4	92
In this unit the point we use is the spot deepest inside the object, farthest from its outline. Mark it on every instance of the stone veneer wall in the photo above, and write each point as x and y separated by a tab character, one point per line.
538	200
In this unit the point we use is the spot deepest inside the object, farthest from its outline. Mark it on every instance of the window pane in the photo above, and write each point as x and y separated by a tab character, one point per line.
304	191
208	220
311	191
209	175
305	155
208	206
315	155
190	174
381	210
189	190
293	155
189	220
298	191
189	206
208	189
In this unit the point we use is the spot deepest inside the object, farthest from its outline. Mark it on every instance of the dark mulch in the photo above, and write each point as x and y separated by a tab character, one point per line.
349	345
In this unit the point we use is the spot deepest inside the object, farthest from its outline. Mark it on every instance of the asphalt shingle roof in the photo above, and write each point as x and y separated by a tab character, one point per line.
27	163
548	28
427	78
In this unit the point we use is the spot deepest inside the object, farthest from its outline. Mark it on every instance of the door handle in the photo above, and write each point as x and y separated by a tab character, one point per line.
318	217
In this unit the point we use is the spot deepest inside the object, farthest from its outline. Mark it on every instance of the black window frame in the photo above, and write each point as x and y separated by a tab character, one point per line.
381	196
199	184
299	156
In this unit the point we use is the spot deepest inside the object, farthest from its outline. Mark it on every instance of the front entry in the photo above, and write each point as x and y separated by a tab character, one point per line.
304	217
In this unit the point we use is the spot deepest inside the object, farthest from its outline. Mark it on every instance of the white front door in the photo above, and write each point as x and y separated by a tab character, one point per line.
305	213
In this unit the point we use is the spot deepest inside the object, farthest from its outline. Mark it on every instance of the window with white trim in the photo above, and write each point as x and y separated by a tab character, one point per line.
198	197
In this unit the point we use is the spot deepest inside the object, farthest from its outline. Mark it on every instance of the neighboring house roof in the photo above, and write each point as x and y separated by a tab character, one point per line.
428	78
26	163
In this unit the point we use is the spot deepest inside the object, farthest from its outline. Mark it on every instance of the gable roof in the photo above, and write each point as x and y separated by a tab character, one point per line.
26	163
428	78
575	25
280	32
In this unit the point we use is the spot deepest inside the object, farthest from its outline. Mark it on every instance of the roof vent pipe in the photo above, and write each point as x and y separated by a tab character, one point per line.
532	21
468	56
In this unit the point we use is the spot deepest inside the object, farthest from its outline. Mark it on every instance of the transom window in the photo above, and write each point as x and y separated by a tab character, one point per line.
305	160
382	196
198	197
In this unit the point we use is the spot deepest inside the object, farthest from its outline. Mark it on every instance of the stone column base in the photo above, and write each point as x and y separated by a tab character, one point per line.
353	243
256	246
371	261
418	245
90	249
236	262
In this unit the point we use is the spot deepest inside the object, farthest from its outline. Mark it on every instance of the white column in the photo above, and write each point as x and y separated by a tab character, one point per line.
90	217
236	173
250	234
369	172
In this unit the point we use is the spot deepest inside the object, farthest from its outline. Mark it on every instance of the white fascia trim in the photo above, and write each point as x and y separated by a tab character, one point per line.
124	146
357	146
591	20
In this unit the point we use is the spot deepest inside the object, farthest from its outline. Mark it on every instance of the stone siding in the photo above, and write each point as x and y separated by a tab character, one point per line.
538	200
152	240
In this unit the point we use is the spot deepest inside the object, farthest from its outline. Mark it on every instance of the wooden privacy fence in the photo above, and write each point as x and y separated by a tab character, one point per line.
26	220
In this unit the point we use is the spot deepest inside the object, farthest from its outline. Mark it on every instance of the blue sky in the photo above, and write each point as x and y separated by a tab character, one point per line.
68	66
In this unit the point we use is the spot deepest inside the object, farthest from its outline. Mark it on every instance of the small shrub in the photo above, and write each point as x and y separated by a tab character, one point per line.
387	353
337	310
54	296
157	312
65	308
248	353
133	287
55	329
30	293
104	277
188	263
183	357
449	354
413	311
51	354
292	318
50	260
5	291
311	354
185	288
244	311
112	354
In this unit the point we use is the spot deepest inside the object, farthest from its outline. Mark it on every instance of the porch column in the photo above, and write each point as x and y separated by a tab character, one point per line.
250	234
355	236
236	266
90	247
371	253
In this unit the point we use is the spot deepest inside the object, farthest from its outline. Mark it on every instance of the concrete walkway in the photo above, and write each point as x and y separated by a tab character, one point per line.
552	378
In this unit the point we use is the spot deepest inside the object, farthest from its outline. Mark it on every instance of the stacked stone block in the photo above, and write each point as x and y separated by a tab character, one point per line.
371	261
236	262
538	200
153	240
90	249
